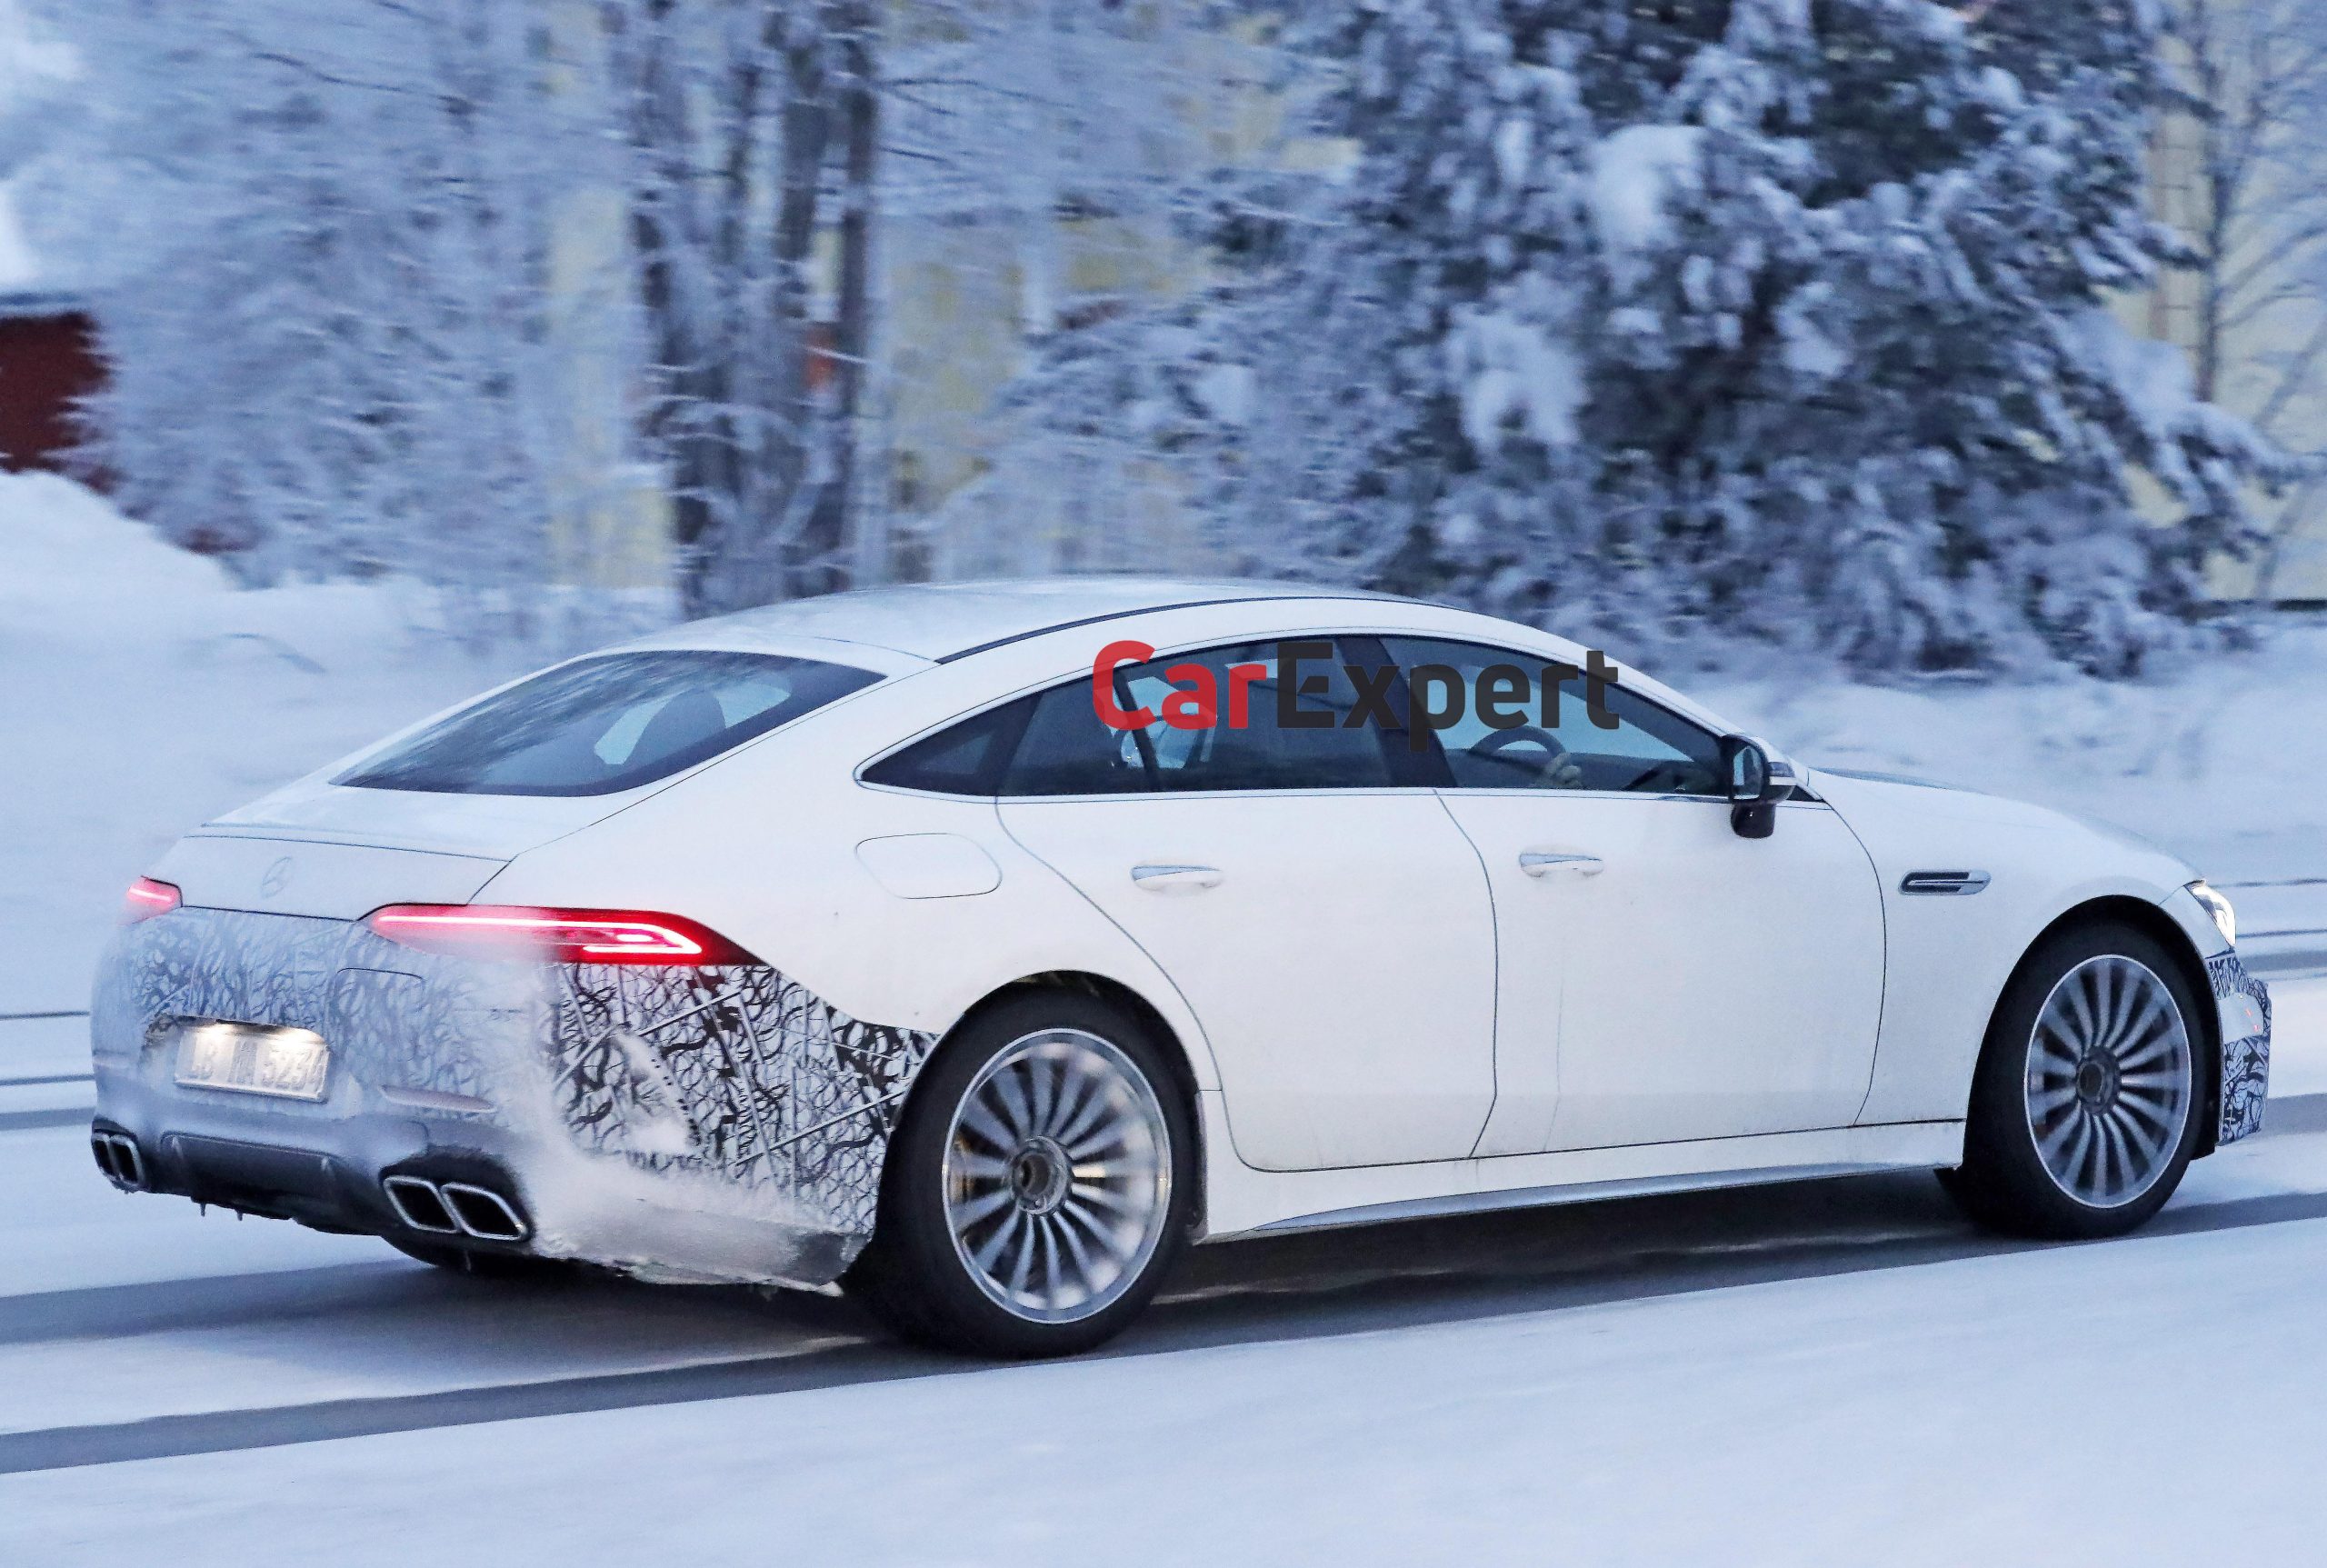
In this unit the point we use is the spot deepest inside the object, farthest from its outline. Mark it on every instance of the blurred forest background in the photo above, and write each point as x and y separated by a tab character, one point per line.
1906	336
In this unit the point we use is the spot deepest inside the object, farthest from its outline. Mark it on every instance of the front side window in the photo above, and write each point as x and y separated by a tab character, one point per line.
612	723
1510	735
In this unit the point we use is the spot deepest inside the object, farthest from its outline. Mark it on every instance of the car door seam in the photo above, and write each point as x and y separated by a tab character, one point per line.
1494	977
1883	992
1001	821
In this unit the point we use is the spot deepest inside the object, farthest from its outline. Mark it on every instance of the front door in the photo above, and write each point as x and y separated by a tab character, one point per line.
1326	922
1662	979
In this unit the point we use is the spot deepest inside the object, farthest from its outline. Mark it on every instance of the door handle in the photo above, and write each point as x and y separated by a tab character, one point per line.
1542	863
1176	878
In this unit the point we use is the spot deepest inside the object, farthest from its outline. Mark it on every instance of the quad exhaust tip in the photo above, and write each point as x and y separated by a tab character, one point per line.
483	1213
455	1209
419	1205
120	1159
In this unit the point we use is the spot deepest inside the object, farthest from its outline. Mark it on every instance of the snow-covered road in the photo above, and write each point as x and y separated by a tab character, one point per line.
1788	1374
1785	1377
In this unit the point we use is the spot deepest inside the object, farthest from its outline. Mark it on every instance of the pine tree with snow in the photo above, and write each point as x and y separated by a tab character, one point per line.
1771	317
325	233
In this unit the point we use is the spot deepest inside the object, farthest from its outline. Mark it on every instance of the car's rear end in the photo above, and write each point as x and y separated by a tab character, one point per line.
313	1012
284	1060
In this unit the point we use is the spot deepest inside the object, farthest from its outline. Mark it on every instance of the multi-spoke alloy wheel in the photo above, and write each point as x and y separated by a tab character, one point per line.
1058	1175
1041	1182
2109	1080
2091	1091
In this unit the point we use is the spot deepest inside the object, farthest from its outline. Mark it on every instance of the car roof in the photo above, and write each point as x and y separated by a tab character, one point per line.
941	622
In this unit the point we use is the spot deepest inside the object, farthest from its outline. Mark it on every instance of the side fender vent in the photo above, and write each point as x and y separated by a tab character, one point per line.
1960	882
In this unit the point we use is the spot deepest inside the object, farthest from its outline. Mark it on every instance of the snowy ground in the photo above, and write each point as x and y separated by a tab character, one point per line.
139	696
1837	1373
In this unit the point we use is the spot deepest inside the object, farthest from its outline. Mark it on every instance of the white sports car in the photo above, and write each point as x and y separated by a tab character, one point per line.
977	946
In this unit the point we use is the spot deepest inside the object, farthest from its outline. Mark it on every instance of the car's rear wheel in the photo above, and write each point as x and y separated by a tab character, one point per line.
2087	1105
1038	1187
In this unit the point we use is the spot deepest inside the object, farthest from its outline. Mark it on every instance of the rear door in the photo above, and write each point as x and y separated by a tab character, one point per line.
1324	919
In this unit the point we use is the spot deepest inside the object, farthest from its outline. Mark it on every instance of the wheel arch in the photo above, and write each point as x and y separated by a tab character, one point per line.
2152	920
1105	988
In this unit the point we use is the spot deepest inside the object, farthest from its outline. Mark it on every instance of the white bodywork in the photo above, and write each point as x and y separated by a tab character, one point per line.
1381	1011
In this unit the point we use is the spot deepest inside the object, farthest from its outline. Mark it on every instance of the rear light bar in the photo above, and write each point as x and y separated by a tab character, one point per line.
555	935
147	898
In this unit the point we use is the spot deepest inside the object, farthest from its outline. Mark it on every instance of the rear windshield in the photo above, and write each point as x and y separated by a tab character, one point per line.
598	725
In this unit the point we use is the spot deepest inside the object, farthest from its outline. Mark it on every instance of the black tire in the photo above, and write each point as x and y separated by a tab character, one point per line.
917	1277
2112	1164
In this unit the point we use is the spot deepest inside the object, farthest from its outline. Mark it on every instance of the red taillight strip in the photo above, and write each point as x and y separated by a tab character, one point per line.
147	898
555	935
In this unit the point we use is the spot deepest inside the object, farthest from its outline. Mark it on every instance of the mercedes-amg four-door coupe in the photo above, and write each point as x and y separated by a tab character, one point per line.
979	946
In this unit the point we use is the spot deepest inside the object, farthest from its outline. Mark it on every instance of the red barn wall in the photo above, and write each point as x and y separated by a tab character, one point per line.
47	362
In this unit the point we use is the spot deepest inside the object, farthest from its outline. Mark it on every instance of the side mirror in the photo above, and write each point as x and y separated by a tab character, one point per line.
1756	783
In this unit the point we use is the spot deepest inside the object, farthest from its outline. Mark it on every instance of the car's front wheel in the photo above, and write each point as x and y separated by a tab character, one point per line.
2086	1106
1038	1186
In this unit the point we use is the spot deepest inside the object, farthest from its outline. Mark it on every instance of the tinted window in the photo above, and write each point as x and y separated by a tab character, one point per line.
603	724
965	759
1068	750
1650	751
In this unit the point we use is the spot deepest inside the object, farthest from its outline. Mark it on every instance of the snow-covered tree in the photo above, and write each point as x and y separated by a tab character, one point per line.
753	130
36	92
1041	150
415	285
1782	318
2246	188
331	336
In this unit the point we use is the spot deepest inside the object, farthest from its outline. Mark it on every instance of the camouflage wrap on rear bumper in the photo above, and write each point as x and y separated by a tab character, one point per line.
732	1089
2245	1053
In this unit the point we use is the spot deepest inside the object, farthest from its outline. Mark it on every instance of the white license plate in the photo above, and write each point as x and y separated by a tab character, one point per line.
253	1059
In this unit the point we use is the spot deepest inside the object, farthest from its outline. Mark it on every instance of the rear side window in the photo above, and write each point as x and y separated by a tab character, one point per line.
965	759
1260	754
614	722
1055	743
1067	751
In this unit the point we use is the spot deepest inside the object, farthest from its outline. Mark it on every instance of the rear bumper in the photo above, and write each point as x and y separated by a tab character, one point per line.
338	1175
674	1124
